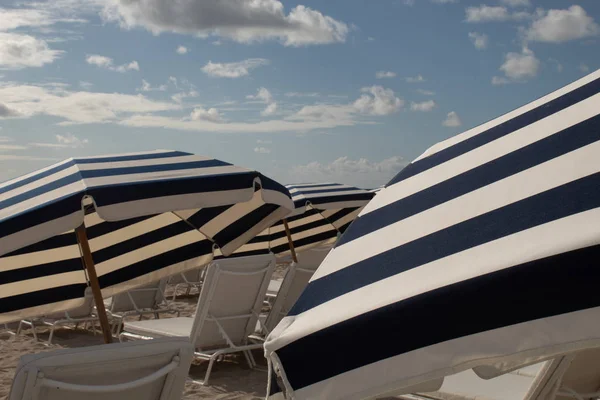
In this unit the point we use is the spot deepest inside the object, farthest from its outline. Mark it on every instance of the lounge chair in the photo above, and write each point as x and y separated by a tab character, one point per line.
189	280
228	308
83	314
149	370
149	299
293	284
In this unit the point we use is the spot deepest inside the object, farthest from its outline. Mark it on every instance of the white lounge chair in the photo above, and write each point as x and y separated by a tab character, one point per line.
228	308
293	284
83	314
149	370
149	299
189	280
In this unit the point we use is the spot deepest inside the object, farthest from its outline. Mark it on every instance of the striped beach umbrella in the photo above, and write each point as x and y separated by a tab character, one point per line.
143	216
482	253
322	212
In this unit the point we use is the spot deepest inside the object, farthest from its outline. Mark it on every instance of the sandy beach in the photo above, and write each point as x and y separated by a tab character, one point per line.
230	379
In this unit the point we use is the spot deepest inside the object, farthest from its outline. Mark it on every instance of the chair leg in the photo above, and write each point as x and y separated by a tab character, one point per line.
51	334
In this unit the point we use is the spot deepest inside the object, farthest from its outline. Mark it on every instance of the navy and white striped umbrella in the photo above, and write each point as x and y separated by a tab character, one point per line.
147	215
322	212
482	253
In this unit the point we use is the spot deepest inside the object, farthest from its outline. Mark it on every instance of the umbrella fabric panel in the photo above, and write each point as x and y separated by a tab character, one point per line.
484	247
324	196
49	276
48	202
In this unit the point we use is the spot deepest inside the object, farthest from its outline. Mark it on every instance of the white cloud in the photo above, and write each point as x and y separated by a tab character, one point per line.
234	69
147	87
558	26
557	64
415	79
260	141
424	106
264	96
444	1
377	100
516	3
132	66
211	115
107	63
452	120
262	150
241	21
20	51
385	74
361	172
520	66
409	3
77	107
485	13
85	84
6	147
182	50
499	80
302	94
68	141
426	92
584	68
269	110
7	112
480	40
179	97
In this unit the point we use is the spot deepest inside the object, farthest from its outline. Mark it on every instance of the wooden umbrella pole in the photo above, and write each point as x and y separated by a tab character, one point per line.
93	277
290	241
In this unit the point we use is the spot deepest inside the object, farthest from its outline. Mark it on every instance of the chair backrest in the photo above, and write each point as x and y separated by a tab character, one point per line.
145	297
191	276
84	310
152	369
295	281
582	375
231	300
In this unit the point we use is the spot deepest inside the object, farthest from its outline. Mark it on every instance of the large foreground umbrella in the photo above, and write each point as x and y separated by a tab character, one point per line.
483	253
322	211
133	219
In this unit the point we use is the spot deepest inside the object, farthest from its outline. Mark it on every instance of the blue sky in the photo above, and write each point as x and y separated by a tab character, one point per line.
342	90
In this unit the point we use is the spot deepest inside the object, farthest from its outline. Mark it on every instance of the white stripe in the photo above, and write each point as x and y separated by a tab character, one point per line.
40	257
41	283
513	114
564	169
38	183
157	205
491	151
141	163
531	244
34	173
487	348
149	177
39	232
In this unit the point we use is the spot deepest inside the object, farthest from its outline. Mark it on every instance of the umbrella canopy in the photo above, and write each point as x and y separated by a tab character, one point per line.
147	215
482	253
322	212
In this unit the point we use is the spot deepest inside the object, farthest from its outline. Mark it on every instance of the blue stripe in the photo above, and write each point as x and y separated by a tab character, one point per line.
142	169
37	177
114	194
57	184
243	224
542	288
572	198
42	297
566	141
133	157
499	131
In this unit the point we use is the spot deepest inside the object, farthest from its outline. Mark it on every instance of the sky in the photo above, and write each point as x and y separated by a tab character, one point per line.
345	91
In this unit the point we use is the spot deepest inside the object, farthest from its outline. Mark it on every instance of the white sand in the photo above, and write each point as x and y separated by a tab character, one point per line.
230	379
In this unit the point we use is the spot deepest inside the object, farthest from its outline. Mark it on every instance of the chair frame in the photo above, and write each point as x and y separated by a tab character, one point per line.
118	316
203	315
